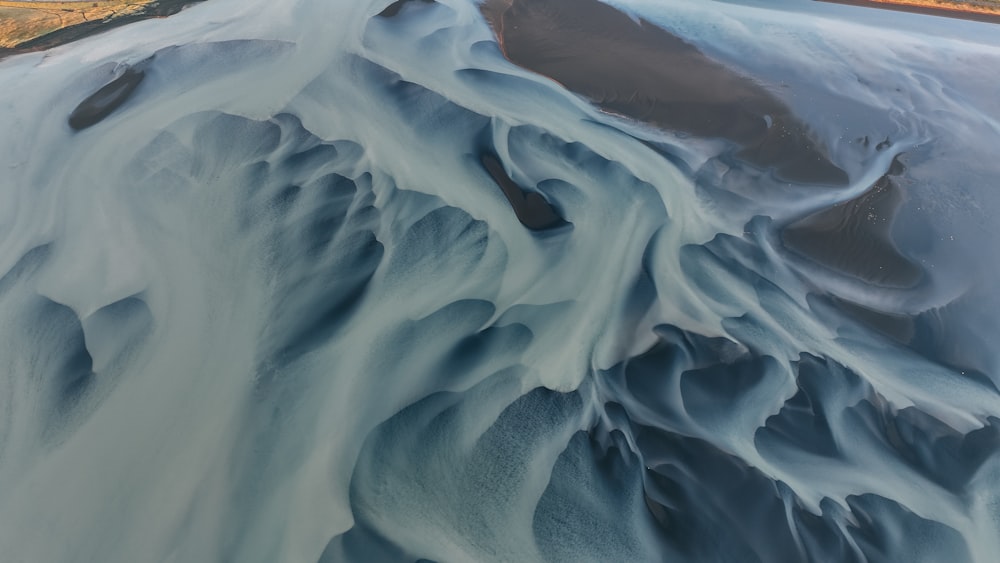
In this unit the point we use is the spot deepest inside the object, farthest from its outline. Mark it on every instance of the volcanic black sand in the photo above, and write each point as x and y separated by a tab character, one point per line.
531	208
854	237
160	9
926	10
643	72
103	102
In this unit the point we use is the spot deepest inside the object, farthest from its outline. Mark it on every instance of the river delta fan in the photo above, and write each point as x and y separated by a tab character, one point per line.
514	280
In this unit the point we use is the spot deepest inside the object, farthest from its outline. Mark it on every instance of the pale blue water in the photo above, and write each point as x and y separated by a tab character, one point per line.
273	308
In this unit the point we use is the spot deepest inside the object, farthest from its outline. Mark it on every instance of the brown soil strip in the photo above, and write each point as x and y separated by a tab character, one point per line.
36	26
949	11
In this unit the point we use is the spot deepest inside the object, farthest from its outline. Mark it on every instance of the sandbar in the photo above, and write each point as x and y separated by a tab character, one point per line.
641	71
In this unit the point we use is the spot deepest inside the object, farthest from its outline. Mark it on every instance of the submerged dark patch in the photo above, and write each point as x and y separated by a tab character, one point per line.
393	9
854	237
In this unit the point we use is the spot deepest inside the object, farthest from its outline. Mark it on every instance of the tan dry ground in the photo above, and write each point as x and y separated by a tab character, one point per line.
978	6
24	21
